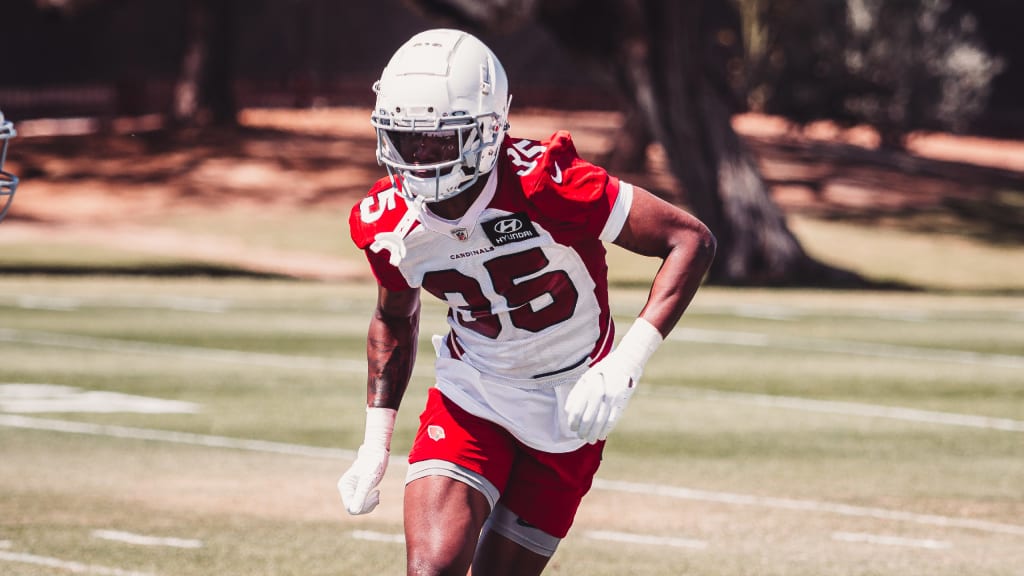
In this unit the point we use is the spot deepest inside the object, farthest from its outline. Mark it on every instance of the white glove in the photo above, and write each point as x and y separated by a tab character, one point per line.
358	485
597	400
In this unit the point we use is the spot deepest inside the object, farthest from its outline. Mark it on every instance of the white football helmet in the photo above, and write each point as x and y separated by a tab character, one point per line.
448	86
8	181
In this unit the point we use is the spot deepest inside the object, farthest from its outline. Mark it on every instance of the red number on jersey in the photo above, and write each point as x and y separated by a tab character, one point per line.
521	295
530	310
476	314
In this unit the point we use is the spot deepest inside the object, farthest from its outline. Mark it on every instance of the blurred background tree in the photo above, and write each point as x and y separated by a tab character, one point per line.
678	71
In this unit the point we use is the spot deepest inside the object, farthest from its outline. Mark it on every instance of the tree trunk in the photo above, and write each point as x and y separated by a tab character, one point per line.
220	77
629	147
186	100
660	50
206	77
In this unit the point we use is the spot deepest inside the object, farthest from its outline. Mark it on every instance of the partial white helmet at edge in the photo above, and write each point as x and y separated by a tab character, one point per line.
441	83
8	181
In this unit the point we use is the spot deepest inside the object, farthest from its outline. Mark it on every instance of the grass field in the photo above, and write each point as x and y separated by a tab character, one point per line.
776	433
160	424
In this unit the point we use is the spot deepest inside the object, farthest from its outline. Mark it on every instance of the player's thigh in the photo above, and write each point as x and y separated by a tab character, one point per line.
443	518
451	442
545	489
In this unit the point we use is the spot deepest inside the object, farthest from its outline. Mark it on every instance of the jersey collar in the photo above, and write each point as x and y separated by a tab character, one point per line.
462	228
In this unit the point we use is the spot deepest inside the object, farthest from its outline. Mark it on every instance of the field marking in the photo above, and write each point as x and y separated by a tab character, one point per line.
267	359
646	539
662	490
607	535
764	311
378	536
289	361
839	346
207	441
5	543
72	304
67	565
36	398
783	312
842	408
861	537
734	338
142	540
816	506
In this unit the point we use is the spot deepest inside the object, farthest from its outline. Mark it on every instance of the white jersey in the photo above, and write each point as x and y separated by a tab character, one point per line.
523	273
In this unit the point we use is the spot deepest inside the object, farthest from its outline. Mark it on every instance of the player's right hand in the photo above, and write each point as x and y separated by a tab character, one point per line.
358	486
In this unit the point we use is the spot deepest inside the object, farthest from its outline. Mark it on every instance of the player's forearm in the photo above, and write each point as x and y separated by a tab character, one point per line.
391	354
685	245
678	279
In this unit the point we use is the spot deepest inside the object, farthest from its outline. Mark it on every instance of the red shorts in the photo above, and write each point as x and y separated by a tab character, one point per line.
542	488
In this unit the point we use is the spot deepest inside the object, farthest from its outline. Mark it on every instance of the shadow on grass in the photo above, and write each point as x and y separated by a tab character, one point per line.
153	271
843	182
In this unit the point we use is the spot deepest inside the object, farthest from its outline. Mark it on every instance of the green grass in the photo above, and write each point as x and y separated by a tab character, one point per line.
701	421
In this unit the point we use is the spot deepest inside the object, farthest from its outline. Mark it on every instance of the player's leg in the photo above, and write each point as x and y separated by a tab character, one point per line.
536	509
443	518
511	547
458	466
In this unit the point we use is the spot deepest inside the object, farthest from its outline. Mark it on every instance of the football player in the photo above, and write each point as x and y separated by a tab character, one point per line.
508	232
8	181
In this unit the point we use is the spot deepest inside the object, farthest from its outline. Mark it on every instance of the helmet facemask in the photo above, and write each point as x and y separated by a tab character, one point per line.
444	173
441	87
8	181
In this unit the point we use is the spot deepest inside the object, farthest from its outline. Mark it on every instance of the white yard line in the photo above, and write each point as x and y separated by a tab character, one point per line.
67	565
816	506
864	538
660	490
25	398
70	304
266	359
838	346
841	408
646	539
378	536
765	311
734	338
126	432
607	535
785	312
143	540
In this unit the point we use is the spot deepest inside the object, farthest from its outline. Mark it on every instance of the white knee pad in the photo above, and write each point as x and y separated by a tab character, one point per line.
505	522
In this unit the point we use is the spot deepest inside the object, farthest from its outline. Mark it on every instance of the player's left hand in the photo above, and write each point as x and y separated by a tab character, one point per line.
597	401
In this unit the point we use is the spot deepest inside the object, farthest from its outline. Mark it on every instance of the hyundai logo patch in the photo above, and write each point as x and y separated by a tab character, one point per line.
512	228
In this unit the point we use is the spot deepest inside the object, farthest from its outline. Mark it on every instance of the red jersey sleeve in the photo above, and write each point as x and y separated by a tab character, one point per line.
566	187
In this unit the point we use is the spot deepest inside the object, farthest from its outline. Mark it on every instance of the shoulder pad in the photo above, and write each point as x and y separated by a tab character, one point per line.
541	163
553	175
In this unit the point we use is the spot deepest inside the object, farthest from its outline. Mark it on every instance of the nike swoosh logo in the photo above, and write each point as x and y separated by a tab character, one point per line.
524	523
557	176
